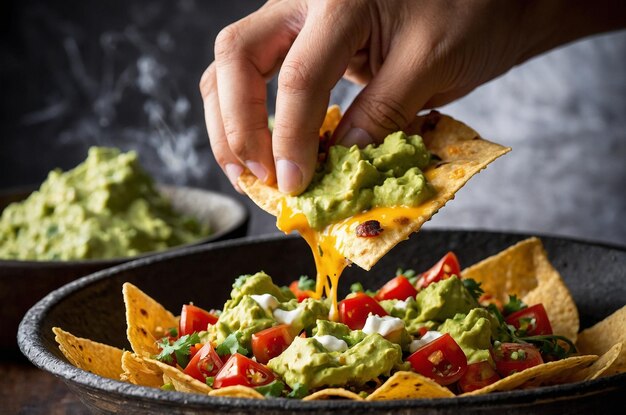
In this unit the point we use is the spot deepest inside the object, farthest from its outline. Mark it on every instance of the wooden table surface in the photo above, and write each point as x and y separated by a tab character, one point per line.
25	389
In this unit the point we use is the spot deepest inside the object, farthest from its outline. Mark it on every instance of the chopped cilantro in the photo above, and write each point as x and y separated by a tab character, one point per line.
357	287
299	391
231	345
274	389
180	349
209	381
514	304
173	331
305	283
410	274
473	287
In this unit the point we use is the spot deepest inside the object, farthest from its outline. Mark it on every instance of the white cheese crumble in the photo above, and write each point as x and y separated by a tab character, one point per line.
287	317
382	325
331	343
267	302
424	340
400	305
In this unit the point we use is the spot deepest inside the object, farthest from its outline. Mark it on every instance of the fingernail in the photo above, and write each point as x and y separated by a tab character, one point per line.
233	171
288	175
258	170
356	136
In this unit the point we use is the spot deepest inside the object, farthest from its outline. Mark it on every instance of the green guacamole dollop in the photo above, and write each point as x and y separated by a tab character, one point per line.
308	362
354	180
106	207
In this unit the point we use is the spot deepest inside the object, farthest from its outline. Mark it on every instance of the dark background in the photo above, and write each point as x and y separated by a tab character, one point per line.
125	73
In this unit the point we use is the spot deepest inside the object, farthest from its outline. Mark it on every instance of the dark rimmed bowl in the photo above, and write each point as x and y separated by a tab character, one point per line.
92	307
23	283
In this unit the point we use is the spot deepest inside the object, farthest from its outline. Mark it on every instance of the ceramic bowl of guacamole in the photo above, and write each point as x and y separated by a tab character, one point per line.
93	308
105	211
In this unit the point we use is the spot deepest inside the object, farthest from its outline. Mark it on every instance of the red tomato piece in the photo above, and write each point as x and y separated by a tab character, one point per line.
301	295
533	320
398	288
239	370
477	376
193	319
442	360
446	267
514	357
353	311
204	363
271	342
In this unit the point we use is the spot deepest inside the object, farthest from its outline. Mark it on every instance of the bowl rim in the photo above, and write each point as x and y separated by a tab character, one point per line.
241	218
33	348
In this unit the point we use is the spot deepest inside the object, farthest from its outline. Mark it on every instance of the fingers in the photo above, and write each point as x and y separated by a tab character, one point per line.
315	63
389	102
213	118
246	54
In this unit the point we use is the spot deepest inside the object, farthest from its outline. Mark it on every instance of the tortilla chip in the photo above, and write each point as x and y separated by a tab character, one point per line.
237	391
138	372
463	153
551	373
333	393
409	385
146	319
603	336
182	382
600	367
333	116
525	271
100	359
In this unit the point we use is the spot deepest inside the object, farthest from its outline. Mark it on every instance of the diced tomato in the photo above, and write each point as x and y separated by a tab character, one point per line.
271	342
442	360
193	319
204	363
477	376
239	370
532	321
514	357
398	288
353	311
422	330
446	267
301	295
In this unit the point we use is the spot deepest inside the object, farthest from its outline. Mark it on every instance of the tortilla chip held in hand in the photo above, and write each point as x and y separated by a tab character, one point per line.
457	153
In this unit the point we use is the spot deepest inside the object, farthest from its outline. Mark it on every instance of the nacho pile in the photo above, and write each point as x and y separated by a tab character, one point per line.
218	354
456	154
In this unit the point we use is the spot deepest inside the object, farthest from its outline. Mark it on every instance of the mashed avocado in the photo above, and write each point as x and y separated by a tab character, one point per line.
106	207
354	180
443	300
307	361
473	332
257	303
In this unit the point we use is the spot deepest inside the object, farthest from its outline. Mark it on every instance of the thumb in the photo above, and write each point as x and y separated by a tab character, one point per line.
388	103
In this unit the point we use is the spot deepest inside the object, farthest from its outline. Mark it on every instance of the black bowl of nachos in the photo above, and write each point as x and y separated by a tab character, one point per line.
97	333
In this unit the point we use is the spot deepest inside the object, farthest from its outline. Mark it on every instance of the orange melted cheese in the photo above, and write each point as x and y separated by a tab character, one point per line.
327	244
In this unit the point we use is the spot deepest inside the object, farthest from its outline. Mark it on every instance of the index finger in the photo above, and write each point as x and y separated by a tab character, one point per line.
246	53
331	35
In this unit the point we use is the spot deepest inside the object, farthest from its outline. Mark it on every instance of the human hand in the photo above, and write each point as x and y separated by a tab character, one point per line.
410	54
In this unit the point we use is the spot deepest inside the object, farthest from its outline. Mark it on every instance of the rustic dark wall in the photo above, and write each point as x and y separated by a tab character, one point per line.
80	73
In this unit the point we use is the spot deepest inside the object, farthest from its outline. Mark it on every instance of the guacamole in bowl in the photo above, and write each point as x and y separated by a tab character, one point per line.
106	207
105	211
